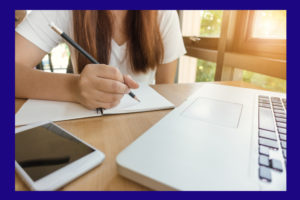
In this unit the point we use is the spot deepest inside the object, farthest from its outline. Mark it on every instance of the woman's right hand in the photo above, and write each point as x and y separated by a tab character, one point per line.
102	86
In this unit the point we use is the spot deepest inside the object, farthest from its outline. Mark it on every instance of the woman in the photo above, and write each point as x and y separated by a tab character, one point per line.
134	47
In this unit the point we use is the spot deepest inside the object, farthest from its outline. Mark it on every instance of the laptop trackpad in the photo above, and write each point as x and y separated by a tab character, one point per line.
214	111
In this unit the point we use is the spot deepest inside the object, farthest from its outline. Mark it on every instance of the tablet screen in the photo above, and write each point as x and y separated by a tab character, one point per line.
47	148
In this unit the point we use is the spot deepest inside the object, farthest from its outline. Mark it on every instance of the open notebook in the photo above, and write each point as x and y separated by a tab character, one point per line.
42	110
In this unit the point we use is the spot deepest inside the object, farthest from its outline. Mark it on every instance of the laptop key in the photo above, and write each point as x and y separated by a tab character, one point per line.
264	160
276	164
264	101
265	173
280	120
280	115
265	117
264	105
281	125
263	97
282	131
267	134
284	153
275	99
269	143
263	150
282	137
279	111
278	108
283	144
276	104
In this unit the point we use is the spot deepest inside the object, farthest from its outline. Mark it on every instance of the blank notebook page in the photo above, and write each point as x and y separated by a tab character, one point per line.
43	110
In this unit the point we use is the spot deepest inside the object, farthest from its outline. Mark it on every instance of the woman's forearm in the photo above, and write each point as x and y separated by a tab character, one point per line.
36	84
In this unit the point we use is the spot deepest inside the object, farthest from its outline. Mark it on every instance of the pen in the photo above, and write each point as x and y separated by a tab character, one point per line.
86	54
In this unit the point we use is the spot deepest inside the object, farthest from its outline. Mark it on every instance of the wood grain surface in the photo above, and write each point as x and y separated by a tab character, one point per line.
111	134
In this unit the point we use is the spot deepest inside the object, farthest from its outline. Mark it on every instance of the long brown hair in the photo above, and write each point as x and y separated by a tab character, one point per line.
93	31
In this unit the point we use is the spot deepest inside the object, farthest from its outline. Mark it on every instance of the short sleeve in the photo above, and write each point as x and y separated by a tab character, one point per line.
171	35
35	27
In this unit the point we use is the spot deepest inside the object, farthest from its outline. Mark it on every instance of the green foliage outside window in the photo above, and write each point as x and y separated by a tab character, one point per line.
264	81
205	71
210	27
211	23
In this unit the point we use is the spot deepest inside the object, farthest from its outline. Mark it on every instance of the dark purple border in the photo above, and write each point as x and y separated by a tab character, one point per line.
7	87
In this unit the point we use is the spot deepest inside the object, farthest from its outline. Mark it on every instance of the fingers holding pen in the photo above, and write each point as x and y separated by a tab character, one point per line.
107	72
93	98
110	86
107	97
130	82
100	86
109	79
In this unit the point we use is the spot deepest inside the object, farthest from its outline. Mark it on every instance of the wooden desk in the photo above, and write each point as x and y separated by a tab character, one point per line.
111	134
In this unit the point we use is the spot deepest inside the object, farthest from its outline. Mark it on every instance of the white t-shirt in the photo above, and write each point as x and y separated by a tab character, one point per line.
36	29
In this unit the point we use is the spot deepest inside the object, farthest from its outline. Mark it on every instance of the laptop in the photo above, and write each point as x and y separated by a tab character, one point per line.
221	138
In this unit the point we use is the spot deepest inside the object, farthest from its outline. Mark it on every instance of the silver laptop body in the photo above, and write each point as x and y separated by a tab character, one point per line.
220	138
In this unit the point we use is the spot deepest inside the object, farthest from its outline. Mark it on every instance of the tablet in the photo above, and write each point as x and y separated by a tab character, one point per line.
47	157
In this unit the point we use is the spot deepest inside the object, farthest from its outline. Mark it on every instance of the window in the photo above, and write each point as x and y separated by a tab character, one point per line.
205	71
211	23
261	33
246	45
206	26
267	34
59	59
269	24
201	23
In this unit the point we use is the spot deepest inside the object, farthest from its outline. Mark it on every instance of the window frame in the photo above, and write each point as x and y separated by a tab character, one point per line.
266	56
246	44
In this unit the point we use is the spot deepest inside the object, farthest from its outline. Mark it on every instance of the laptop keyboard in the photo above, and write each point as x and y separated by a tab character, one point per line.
271	117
